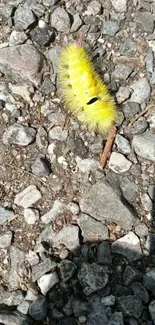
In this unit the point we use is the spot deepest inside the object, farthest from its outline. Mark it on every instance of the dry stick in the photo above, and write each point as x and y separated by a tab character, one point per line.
108	146
141	114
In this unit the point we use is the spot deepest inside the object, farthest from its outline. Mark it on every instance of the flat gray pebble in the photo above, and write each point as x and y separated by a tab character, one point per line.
67	269
141	91
5	214
104	253
92	278
23	17
5	239
143	145
110	28
41	167
128	246
29	196
140	291
38	308
19	134
131	274
60	20
146	21
130	306
92	229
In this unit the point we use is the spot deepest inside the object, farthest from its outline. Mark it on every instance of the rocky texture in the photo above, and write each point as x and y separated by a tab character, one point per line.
19	134
144	145
28	196
129	246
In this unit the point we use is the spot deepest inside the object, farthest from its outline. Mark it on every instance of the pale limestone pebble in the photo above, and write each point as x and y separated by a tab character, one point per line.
47	281
29	196
123	94
51	215
128	246
31	216
147	202
118	163
5	239
19	134
144	145
119	5
87	165
24	91
141	91
17	38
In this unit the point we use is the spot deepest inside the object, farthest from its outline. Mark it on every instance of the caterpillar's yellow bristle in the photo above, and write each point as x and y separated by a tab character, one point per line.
83	91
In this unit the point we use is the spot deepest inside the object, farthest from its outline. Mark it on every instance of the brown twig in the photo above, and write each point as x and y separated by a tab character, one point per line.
108	146
141	114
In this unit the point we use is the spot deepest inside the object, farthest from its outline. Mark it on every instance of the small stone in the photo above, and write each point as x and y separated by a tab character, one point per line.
139	291
122	94
15	112
24	307
29	196
129	189
80	308
73	207
22	63
41	138
128	246
66	269
87	165
149	280
21	90
146	202
23	17
116	319
122	72
17	257
53	213
77	23
19	134
130	109
143	145
100	202
149	61
123	144
146	21
104	253
82	319
131	274
92	278
43	36
38	308
130	306
94	8
60	20
31	216
138	127
5	10
42	268
152	79
108	300
5	215
5	239
56	133
150	243
11	298
68	236
47	86
47	281
110	28
32	258
141	230
17	38
120	290
91	229
118	163
152	310
41	167
141	91
119	5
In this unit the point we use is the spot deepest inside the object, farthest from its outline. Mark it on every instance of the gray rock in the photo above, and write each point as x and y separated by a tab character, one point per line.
108	300
17	38
131	274
152	310
146	202
66	269
150	242
77	23
118	163
139	291
68	236
5	10
92	278
49	3
60	20
41	167
23	17
47	281
129	189
149	280
43	36
128	246
17	257
37	8
119	5
143	145
146	21
138	127
80	308
94	8
11	298
130	306
32	258
100	202
56	133
141	91
149	61
87	165
53	213
92	230
141	230
151	192
24	307
130	109
5	215
29	196
116	319
14	318
110	28
15	112
47	86
42	268
19	134
22	63
104	253
41	138
38	308
122	94
31	216
122	72
53	55
5	239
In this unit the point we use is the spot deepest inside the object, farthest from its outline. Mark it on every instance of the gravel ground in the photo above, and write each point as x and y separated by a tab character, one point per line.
77	244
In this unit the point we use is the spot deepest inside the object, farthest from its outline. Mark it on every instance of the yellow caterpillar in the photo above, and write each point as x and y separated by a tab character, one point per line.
83	91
